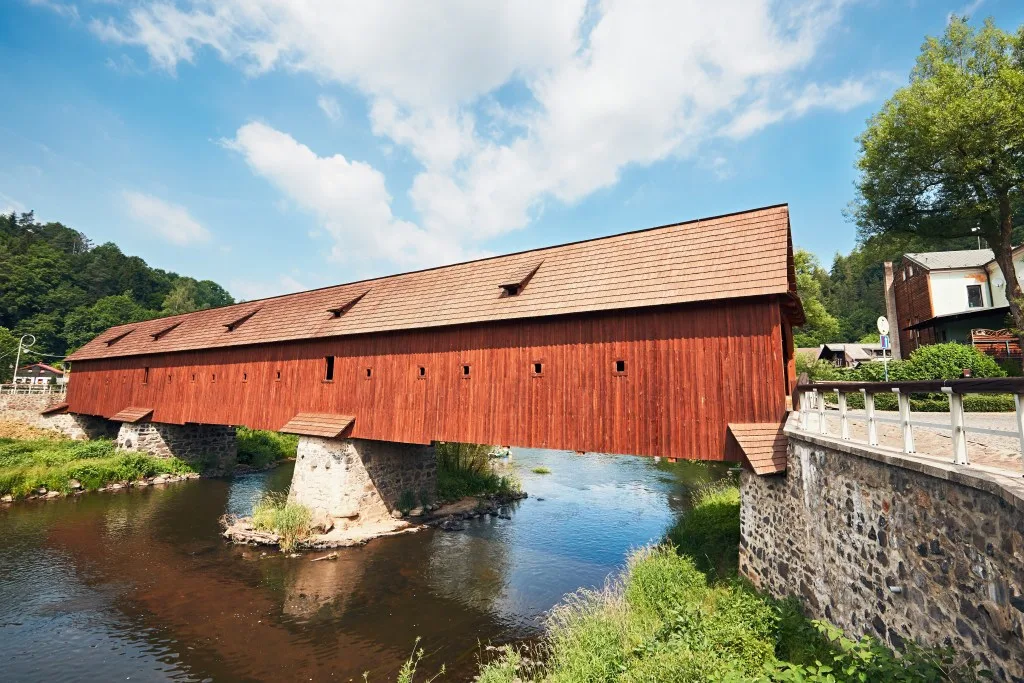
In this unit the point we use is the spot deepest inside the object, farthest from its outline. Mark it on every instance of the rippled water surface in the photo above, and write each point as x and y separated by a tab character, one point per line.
139	586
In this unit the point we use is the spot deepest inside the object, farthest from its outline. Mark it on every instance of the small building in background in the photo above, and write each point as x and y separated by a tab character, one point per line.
843	355
951	296
40	373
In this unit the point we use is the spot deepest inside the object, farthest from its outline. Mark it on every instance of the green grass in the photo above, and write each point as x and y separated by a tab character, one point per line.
28	465
465	470
290	521
541	470
710	532
672	617
259	449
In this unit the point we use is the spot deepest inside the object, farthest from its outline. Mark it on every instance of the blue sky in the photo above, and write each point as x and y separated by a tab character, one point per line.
275	145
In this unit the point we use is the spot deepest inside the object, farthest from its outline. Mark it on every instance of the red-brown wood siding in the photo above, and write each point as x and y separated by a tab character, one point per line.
690	370
913	304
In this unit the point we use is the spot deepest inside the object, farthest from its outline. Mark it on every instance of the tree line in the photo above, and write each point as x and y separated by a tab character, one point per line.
58	286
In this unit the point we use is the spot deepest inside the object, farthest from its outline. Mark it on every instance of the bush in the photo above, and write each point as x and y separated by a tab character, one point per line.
259	449
289	520
465	470
710	532
28	465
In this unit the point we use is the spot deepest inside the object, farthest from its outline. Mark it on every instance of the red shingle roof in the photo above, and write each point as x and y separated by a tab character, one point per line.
738	255
764	445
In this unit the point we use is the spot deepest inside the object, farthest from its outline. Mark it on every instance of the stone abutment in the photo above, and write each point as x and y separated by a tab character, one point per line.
212	449
898	547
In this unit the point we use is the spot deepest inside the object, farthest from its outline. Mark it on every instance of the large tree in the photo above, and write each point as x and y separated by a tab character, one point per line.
945	155
811	283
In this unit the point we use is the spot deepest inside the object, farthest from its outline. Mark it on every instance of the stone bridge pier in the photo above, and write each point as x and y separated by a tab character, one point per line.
209	448
360	482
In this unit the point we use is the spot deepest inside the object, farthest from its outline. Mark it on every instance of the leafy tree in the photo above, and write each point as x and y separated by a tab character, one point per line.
811	281
181	298
8	353
945	155
85	322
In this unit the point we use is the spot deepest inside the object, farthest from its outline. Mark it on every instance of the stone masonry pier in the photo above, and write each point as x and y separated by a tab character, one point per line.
895	546
210	448
27	409
358	481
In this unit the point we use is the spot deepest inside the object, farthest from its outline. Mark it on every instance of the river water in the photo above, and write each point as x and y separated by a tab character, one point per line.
139	585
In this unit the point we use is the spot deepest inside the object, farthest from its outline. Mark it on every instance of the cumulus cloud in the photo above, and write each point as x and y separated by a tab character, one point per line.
350	199
168	221
503	106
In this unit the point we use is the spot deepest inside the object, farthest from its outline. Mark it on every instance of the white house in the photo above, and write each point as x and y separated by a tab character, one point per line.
942	296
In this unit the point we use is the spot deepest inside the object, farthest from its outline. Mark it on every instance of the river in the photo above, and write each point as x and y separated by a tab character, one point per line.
139	585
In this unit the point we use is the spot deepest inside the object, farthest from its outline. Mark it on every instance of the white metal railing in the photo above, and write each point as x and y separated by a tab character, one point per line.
50	388
811	399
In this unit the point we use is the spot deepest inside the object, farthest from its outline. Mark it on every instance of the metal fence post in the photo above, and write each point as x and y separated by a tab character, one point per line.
869	412
822	428
956	418
908	430
844	421
1018	400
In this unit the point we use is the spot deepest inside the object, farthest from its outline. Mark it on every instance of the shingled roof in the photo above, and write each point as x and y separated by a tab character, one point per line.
737	255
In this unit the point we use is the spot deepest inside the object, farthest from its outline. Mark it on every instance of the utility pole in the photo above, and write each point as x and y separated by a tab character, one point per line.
17	361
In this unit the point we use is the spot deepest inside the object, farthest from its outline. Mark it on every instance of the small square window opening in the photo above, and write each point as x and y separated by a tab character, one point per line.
422	372
369	373
278	378
465	371
145	375
329	369
620	367
538	368
245	376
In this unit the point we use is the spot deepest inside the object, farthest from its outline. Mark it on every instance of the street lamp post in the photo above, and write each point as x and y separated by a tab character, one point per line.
17	361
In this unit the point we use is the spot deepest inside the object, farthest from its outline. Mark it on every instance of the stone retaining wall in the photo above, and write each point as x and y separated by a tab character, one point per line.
26	409
211	448
898	547
349	478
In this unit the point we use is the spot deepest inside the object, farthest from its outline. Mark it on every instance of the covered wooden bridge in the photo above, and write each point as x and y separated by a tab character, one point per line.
646	343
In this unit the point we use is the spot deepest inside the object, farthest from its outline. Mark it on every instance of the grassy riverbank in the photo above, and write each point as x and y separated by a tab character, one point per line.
672	616
26	466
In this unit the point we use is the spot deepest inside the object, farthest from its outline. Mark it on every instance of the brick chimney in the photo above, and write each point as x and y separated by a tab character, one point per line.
890	310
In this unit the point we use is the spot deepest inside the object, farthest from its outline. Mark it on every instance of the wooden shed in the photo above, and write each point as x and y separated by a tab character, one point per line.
645	343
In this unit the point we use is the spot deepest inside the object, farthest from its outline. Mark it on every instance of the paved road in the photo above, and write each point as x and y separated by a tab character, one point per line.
932	435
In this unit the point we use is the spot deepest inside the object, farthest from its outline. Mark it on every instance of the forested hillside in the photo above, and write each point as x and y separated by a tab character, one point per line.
843	303
58	286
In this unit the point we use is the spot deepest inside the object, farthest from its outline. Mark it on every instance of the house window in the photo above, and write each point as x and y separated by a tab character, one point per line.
329	369
974	298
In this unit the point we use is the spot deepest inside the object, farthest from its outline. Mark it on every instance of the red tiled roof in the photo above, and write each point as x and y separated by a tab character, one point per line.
764	445
318	424
738	255
132	414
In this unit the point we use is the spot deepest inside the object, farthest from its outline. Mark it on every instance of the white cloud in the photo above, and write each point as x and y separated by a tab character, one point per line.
330	107
168	221
505	106
349	198
247	290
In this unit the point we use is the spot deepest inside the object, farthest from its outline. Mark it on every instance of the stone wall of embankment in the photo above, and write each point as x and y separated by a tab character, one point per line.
898	547
26	409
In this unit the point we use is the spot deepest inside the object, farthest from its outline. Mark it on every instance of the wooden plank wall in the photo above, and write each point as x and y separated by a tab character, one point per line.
913	304
690	370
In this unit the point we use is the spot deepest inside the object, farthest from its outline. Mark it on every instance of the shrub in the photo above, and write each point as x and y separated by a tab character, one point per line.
465	470
291	521
541	470
258	448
